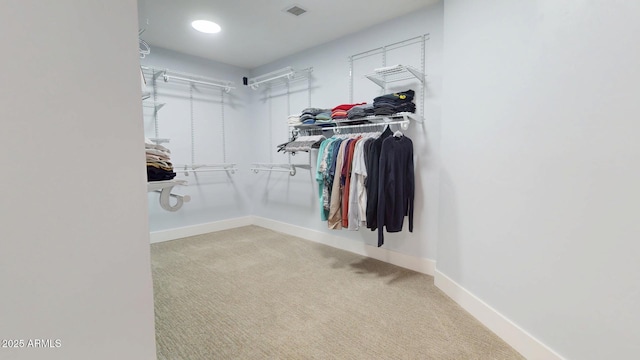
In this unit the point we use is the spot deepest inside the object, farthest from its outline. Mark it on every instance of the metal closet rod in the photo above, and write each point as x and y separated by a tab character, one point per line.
196	79
227	88
289	73
277	74
196	168
272	167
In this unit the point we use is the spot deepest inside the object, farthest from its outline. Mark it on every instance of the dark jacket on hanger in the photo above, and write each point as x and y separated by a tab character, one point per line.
371	182
396	186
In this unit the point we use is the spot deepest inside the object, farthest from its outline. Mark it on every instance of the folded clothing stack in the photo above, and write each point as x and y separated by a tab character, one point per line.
360	112
390	104
294	120
308	116
339	112
159	165
323	118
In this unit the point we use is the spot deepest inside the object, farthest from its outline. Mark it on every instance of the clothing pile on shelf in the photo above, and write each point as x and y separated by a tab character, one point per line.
366	180
294	120
340	112
159	165
311	116
360	111
323	118
393	103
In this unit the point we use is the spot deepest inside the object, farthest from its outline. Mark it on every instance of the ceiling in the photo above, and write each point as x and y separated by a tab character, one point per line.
257	32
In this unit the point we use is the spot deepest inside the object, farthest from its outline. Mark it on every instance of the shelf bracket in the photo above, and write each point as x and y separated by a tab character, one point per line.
377	81
165	188
416	73
165	197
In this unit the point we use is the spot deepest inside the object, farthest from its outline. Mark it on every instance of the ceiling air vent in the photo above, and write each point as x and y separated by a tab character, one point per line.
295	10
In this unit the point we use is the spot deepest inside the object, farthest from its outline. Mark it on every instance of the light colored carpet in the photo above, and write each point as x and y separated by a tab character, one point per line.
252	293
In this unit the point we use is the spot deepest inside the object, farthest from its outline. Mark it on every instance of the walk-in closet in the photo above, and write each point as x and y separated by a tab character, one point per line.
417	179
333	147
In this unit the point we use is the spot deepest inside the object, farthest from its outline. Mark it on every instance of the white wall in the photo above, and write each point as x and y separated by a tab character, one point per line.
539	196
74	259
293	200
214	195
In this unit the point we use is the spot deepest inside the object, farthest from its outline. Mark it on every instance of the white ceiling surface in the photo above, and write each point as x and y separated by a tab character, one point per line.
257	32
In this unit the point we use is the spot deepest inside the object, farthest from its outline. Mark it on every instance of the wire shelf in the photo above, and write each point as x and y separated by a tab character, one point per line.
389	74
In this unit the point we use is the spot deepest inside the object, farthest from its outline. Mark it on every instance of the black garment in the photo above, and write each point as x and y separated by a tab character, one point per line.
396	186
405	96
393	103
371	182
366	149
383	110
408	107
155	174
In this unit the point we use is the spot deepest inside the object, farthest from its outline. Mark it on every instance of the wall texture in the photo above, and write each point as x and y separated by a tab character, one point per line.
539	184
74	264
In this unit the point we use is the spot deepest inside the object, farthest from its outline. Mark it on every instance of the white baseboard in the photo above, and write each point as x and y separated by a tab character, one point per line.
420	265
178	233
512	334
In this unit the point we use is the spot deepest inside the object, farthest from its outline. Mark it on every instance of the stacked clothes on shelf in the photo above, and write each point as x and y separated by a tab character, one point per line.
314	116
393	103
360	111
159	165
294	120
308	116
340	112
324	118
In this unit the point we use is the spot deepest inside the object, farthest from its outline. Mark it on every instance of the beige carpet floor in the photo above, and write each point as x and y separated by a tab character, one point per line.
252	293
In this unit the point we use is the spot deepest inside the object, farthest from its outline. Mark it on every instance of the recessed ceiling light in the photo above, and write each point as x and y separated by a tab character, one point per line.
206	26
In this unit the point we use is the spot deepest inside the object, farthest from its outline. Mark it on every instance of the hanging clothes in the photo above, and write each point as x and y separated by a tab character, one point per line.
357	192
396	187
335	207
366	180
345	180
321	166
371	182
330	173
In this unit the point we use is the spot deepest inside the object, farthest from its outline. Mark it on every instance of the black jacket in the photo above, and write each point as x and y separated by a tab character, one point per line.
396	187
